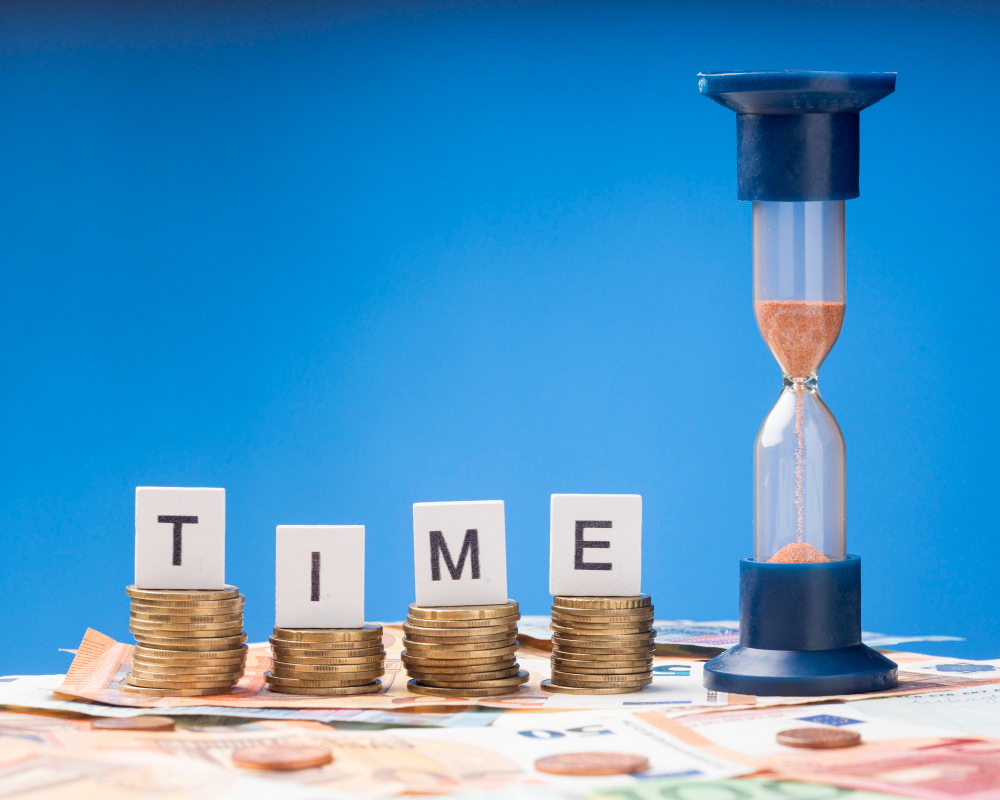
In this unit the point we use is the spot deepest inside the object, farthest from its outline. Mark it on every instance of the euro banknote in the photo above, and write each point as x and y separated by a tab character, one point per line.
380	763
729	789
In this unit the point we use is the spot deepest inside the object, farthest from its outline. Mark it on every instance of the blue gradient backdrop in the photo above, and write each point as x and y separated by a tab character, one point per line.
342	258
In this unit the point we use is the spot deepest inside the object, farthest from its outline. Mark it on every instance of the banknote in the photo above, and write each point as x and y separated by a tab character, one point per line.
730	789
378	763
895	757
960	768
101	662
21	692
707	639
32	771
974	711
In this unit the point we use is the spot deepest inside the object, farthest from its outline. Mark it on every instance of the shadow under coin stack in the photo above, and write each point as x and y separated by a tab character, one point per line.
189	643
327	661
462	651
601	645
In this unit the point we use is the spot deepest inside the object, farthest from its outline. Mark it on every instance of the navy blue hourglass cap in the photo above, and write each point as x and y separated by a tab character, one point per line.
797	133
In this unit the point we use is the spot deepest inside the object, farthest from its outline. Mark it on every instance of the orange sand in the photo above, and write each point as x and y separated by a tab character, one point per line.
800	333
797	553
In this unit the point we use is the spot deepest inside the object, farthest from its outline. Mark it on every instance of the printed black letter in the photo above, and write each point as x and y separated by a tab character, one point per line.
178	524
581	543
439	548
315	577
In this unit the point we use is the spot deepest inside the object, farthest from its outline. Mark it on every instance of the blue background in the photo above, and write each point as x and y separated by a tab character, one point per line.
342	258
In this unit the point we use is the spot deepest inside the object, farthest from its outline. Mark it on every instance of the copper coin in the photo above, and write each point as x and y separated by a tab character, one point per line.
819	738
592	764
141	723
282	757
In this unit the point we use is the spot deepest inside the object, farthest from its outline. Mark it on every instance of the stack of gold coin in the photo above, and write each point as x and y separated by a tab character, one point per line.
462	651
601	645
188	642
327	661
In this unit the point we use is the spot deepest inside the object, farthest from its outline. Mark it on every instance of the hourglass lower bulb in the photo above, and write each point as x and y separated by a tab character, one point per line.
800	593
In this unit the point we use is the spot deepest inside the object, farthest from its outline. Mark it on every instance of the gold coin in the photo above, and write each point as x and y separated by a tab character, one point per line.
591	617
328	678
461	665
193	633
186	627
196	679
418	688
232	654
490	643
453	641
369	632
613	639
464	612
302	683
548	686
186	595
177	669
564	677
636	630
444	624
623	640
472	660
590	669
417	633
186	619
456	650
333	663
292	658
163	643
498	683
329	691
296	644
573	681
574	665
327	669
605	656
138	690
430	674
189	606
602	603
446	654
131	680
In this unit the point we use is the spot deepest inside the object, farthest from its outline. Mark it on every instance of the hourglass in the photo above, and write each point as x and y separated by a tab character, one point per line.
800	593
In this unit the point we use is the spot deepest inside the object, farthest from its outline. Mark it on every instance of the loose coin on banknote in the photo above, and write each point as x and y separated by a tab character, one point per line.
282	757
144	722
819	738
592	764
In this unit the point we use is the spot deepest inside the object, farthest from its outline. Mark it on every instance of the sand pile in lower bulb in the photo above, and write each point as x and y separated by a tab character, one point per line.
797	553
